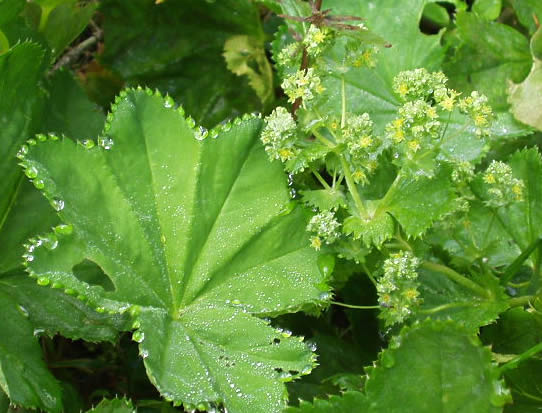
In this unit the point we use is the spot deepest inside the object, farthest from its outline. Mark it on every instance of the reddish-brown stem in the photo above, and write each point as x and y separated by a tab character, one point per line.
304	64
304	67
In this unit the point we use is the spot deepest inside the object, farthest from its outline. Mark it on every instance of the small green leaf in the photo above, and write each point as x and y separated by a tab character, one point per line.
113	406
324	199
525	97
417	203
374	231
195	243
64	22
437	14
488	9
351	401
243	54
489	56
435	367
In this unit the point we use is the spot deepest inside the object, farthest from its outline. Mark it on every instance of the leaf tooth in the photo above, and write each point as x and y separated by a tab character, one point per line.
87	143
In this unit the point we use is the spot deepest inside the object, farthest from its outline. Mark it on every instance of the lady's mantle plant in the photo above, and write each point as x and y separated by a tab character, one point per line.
188	238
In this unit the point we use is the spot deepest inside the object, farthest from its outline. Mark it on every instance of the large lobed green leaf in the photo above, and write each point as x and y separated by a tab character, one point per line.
489	55
197	240
433	366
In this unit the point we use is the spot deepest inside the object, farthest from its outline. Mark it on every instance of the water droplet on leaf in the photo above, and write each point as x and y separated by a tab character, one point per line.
138	336
31	172
57	204
201	133
63	229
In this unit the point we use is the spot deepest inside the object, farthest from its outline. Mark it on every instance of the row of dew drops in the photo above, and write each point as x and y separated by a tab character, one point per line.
107	143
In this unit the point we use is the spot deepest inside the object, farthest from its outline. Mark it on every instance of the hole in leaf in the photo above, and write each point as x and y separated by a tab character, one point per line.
90	273
293	372
276	340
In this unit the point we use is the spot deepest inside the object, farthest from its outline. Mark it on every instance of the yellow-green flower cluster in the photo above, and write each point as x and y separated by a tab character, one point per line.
325	228
477	108
446	98
360	144
463	172
303	84
279	135
503	187
287	56
416	128
362	57
418	84
315	40
398	288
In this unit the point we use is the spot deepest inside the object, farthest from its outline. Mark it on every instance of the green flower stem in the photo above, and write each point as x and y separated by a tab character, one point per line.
320	179
356	307
391	191
343	98
512	364
369	274
44	18
455	276
445	307
521	301
323	139
518	262
404	244
352	187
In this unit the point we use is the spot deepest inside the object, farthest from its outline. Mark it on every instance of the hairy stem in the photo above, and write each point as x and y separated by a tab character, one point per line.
456	277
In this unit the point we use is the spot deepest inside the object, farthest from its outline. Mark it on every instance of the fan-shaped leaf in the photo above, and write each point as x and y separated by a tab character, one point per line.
197	240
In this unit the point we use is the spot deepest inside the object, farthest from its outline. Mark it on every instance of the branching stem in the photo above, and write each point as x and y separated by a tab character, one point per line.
456	277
